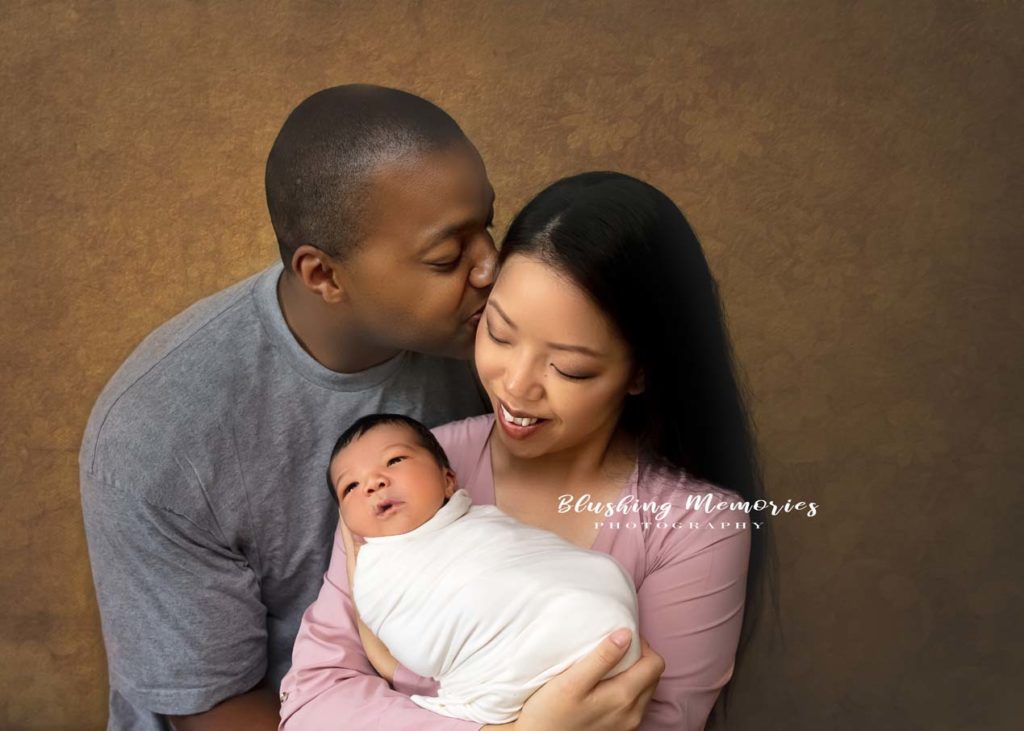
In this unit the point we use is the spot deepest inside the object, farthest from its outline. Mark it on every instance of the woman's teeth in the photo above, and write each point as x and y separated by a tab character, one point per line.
525	421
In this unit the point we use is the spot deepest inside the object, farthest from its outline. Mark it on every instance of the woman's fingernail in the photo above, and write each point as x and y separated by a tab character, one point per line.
621	637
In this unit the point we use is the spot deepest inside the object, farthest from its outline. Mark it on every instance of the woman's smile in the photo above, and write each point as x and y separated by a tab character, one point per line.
517	424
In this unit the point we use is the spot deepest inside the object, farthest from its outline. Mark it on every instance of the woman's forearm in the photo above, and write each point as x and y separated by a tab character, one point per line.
377	653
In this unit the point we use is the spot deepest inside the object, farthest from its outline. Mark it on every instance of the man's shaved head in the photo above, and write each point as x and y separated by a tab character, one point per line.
320	168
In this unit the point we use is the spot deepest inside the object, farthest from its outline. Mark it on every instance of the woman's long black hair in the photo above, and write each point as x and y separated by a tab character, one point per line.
630	248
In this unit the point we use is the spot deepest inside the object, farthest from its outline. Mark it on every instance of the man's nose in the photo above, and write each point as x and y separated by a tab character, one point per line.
481	275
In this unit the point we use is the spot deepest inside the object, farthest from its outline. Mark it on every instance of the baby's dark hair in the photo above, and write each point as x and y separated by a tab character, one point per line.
363	424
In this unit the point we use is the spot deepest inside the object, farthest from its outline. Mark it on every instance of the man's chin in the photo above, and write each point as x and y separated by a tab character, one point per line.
459	348
458	352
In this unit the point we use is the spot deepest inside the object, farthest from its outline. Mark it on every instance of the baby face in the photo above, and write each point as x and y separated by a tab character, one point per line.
387	483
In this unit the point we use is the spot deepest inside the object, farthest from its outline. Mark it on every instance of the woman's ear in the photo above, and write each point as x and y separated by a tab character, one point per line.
636	386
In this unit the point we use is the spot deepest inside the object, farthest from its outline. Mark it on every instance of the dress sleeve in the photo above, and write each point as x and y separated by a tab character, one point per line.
691	611
332	685
183	622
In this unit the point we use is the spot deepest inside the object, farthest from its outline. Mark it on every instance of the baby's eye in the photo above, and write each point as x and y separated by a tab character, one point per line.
393	460
349	486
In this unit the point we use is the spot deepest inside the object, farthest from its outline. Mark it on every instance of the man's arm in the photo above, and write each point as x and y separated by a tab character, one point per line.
257	710
183	622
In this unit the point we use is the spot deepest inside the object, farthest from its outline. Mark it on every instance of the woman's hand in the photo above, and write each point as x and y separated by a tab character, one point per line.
578	700
351	550
376	651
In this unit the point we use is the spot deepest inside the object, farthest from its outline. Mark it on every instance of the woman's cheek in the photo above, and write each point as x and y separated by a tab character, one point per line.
603	400
487	364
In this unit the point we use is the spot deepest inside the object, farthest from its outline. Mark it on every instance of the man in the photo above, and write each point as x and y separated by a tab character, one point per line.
202	463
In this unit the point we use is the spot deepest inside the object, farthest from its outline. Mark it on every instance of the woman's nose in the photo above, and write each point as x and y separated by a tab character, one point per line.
521	381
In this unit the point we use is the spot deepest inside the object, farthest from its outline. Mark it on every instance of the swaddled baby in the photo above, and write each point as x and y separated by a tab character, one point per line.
488	606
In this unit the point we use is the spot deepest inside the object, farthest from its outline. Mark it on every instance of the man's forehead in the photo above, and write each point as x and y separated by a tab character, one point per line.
428	194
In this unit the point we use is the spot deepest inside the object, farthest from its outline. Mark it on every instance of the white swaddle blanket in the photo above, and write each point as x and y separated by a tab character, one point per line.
489	607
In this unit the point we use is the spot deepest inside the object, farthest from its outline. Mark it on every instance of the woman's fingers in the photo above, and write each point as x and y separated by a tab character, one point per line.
651	665
638	682
349	540
346	537
587	672
647	652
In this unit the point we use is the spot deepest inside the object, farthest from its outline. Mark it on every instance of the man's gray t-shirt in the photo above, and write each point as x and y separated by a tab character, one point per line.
204	492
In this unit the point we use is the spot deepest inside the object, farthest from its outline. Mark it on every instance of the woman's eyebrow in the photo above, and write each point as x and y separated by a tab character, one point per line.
501	312
582	349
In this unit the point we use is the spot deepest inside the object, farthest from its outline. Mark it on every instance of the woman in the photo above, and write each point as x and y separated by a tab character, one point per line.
603	353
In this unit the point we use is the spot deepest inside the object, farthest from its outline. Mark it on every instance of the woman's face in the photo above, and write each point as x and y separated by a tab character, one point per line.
551	361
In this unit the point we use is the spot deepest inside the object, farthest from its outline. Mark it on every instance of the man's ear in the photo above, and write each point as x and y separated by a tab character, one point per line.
637	385
450	483
319	273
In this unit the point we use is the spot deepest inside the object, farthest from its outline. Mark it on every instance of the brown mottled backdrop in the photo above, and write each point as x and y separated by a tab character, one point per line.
853	170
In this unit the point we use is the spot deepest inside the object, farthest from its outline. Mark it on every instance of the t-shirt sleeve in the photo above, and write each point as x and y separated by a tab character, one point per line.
691	611
183	623
332	685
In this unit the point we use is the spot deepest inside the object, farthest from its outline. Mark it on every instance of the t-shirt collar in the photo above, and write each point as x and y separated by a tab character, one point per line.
268	308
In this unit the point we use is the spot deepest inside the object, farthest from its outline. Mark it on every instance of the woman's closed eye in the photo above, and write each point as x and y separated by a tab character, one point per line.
564	374
571	376
494	337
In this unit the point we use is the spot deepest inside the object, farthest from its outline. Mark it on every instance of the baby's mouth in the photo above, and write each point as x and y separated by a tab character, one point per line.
387	506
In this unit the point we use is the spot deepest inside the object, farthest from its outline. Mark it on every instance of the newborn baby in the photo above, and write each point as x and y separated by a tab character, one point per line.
488	606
